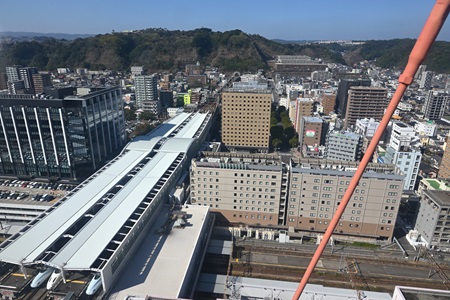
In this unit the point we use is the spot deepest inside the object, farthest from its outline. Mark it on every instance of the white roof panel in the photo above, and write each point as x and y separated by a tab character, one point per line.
143	144
85	248
190	131
39	237
177	145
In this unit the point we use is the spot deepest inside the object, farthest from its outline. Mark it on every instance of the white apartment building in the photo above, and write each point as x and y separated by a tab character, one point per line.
366	127
407	162
426	128
402	135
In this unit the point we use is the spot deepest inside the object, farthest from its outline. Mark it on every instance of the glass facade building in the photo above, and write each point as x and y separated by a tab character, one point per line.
66	138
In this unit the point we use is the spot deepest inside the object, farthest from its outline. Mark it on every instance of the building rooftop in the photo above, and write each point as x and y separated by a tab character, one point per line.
400	124
242	161
413	293
159	269
254	288
438	184
346	134
313	119
440	197
367	88
249	89
343	168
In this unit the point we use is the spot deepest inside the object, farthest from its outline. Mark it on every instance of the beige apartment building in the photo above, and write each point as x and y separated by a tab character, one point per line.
261	190
246	119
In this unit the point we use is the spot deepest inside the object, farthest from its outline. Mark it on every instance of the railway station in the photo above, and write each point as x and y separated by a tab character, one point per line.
90	235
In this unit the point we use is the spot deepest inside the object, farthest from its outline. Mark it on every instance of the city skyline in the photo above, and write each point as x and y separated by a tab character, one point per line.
318	20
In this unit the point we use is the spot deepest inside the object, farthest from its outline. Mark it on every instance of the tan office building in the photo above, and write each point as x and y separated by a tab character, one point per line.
365	102
246	119
260	190
304	108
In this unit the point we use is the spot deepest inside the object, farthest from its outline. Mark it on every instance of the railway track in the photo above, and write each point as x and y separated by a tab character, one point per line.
34	294
365	280
378	282
367	256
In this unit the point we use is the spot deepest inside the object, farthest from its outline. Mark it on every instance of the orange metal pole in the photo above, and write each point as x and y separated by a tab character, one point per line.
426	38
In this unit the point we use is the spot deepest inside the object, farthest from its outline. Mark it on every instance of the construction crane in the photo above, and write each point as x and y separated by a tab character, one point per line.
426	38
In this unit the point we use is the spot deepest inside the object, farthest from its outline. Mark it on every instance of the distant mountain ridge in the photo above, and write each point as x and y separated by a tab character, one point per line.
159	49
59	36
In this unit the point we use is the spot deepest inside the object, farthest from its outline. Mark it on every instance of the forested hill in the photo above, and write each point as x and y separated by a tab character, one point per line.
394	53
161	49
156	49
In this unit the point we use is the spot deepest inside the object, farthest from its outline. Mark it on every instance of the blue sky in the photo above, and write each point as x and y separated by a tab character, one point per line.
283	19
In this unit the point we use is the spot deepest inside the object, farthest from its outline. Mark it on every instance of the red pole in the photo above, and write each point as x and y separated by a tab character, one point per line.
424	41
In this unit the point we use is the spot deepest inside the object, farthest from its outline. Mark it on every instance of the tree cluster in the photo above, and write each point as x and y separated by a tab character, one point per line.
282	131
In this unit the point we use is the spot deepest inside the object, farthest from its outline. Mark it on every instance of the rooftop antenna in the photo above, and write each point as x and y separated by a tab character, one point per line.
426	38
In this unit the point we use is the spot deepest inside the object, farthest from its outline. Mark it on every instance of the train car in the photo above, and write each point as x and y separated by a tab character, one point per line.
55	278
94	285
41	277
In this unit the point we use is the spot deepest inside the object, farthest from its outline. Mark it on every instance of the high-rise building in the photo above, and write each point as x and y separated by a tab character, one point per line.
344	146
403	151
304	108
328	102
407	161
26	74
66	138
365	102
40	82
342	93
425	80
13	73
420	70
147	93
246	118
137	70
435	104
260	190
166	98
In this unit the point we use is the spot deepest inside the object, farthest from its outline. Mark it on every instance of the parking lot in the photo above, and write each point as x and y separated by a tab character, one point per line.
32	190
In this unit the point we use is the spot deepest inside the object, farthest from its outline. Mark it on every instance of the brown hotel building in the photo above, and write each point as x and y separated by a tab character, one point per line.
246	119
365	102
261	190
